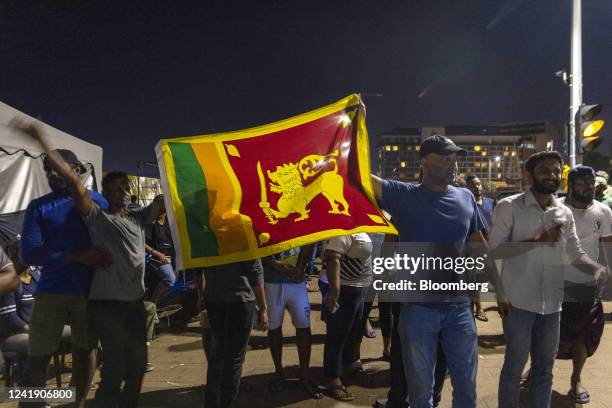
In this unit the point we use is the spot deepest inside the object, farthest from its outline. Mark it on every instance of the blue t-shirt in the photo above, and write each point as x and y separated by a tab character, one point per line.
432	224
486	209
289	257
52	228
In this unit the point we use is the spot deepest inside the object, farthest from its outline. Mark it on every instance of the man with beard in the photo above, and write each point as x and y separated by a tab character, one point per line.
539	228
438	219
485	206
582	319
55	237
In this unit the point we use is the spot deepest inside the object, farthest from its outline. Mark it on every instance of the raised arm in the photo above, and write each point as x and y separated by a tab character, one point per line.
59	165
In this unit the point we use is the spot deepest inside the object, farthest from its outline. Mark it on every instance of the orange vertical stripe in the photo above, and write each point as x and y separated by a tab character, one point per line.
226	223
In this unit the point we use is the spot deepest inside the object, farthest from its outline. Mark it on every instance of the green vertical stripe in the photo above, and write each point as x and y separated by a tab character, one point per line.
191	186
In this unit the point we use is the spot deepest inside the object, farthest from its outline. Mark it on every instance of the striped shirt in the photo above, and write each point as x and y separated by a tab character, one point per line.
356	261
16	306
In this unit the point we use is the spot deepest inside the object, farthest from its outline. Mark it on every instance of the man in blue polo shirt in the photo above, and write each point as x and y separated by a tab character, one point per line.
55	237
438	219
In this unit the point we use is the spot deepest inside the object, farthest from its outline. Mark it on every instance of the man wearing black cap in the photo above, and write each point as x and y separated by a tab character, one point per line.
55	237
437	218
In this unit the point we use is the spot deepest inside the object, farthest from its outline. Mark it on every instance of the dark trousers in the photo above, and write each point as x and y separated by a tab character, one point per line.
398	392
344	330
121	328
396	398
386	318
230	327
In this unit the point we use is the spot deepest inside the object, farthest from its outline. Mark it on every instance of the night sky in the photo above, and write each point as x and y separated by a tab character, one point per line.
124	74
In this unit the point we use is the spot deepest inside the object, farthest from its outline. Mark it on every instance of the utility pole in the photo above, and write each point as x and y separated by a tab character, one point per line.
576	77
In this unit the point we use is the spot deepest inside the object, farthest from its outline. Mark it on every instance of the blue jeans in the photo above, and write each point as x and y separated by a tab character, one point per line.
527	332
420	329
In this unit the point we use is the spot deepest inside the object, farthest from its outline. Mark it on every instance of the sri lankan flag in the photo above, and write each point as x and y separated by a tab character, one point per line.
251	193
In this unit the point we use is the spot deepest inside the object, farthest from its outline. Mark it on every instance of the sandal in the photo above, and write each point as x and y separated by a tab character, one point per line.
340	393
580	398
370	334
276	385
482	316
311	390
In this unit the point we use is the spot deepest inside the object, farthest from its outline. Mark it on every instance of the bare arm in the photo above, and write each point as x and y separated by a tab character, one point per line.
260	295
377	185
157	255
58	164
332	266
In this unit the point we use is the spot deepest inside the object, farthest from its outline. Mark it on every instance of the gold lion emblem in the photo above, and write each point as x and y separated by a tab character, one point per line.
288	181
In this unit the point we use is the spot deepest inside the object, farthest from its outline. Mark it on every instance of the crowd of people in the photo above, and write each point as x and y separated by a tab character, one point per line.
80	263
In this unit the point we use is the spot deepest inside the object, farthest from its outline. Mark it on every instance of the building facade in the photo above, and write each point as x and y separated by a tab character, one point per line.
495	154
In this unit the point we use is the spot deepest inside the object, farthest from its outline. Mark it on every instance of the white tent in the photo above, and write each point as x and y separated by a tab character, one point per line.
22	177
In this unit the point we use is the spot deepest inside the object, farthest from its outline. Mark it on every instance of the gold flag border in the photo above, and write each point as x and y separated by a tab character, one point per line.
176	217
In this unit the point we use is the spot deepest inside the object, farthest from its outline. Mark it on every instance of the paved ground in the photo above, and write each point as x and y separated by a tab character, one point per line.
179	370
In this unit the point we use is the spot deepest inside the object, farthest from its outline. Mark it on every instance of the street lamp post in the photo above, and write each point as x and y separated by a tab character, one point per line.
497	160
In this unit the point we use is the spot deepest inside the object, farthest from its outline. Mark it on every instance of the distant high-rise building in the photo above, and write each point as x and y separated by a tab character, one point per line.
495	153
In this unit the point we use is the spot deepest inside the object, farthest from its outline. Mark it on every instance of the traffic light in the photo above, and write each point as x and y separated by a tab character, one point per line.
587	127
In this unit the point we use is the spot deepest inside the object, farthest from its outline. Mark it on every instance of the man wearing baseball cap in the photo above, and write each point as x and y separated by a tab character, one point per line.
438	218
55	237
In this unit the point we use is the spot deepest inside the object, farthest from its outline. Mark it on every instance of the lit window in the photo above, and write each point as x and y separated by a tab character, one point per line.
476	148
388	148
499	175
513	154
506	154
409	148
498	165
417	175
395	148
403	164
461	174
417	148
477	164
483	153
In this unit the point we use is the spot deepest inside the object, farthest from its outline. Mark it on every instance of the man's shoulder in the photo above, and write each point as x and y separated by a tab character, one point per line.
399	185
463	192
46	199
601	208
511	199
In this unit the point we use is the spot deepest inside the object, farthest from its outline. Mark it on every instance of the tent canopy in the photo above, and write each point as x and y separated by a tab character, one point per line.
12	142
22	177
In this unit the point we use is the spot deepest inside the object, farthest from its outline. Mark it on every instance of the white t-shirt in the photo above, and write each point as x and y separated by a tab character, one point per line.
356	261
592	223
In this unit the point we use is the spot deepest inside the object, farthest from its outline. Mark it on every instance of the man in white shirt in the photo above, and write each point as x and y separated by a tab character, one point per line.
539	238
582	319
